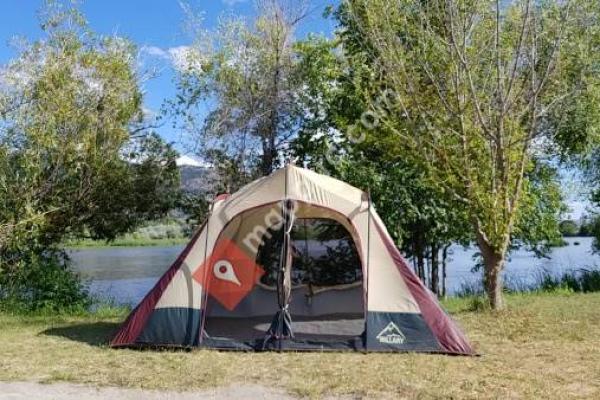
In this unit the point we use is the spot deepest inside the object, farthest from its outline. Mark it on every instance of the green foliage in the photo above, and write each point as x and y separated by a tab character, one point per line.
420	212
585	227
75	155
195	207
568	228
159	231
416	212
575	123
69	160
477	86
319	136
589	281
143	188
42	283
420	216
581	281
591	227
537	225
247	73
478	304
565	283
342	82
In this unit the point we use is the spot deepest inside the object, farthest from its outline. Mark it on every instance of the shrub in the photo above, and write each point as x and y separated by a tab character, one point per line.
470	289
479	303
590	280
574	281
568	228
42	283
517	284
569	282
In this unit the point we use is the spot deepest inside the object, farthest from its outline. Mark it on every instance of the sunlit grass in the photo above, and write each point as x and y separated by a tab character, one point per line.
543	346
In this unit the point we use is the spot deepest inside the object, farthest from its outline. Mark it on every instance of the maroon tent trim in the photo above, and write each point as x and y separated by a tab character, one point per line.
449	336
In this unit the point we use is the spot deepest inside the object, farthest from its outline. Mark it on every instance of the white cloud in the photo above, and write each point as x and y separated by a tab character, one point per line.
182	58
230	3
148	113
155	51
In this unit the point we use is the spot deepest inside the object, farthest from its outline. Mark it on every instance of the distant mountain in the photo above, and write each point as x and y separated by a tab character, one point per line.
197	179
196	176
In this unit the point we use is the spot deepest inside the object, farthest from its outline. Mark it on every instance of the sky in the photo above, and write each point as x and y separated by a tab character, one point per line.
155	26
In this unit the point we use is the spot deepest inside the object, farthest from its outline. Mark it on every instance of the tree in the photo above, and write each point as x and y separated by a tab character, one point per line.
482	89
75	155
586	225
537	227
246	73
593	229
422	219
569	227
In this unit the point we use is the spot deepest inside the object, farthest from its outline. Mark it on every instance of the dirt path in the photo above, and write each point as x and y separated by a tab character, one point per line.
69	391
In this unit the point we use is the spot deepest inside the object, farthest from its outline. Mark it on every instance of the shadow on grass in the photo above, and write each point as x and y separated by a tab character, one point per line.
93	333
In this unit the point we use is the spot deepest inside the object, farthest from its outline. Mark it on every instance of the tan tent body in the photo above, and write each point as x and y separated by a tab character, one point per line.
295	260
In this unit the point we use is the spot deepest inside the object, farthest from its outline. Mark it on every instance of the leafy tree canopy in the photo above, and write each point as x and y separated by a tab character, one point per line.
480	91
248	75
75	157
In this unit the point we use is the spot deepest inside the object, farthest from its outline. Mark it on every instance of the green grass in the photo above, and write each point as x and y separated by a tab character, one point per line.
544	346
126	242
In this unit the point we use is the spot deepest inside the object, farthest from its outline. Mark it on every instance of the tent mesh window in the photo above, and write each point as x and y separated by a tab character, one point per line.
327	291
327	302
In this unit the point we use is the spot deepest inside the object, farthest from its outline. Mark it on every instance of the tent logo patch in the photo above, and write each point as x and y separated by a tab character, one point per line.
391	334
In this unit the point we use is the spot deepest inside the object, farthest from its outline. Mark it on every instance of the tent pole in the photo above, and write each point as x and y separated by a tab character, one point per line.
206	269
307	264
368	262
285	255
282	327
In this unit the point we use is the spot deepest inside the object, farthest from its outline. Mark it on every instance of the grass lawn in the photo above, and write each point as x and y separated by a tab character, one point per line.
544	346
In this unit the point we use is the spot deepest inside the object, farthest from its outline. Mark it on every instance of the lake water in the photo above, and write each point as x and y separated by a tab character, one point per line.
126	274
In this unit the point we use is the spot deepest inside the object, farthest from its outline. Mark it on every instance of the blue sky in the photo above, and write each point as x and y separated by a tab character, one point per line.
156	26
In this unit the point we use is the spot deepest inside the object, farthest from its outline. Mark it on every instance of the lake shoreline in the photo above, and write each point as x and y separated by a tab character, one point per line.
100	244
126	274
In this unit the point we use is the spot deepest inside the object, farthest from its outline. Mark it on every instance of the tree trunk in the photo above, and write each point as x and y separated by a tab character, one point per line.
266	161
414	258
271	153
421	265
267	158
493	282
444	263
426	269
435	273
493	263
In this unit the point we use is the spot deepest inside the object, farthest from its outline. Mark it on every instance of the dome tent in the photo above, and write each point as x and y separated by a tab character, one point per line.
294	260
